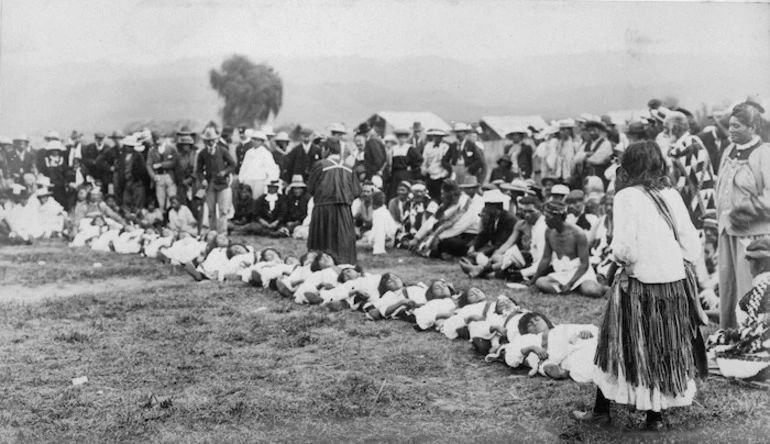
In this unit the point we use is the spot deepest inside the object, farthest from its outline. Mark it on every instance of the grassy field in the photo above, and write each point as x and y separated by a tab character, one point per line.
171	360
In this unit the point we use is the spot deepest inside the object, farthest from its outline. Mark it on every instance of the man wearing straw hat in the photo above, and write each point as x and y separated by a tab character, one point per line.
213	169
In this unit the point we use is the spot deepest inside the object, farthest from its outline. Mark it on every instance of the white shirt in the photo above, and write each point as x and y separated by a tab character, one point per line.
258	164
643	241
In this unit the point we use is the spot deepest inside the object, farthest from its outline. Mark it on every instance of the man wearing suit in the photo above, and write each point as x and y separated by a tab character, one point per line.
213	169
375	157
301	158
20	160
98	158
132	175
496	227
417	140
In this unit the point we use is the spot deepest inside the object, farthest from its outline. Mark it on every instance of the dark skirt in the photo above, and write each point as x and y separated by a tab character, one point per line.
332	230
650	333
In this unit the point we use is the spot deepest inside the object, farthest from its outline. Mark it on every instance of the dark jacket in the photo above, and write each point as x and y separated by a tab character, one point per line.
472	156
297	161
494	233
523	159
16	166
500	173
296	208
209	166
278	213
137	168
715	147
374	157
332	183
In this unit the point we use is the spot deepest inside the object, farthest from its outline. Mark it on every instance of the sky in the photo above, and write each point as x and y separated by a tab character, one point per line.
44	32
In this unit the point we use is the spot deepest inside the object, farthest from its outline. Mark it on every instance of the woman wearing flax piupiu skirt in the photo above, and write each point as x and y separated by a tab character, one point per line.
650	348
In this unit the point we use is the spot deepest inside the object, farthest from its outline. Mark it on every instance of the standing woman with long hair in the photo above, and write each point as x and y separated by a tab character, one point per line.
650	346
743	205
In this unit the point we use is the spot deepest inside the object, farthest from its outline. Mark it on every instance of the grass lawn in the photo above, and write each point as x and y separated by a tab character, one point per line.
171	360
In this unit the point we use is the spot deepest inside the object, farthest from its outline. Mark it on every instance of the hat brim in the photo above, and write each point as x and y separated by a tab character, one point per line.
468	185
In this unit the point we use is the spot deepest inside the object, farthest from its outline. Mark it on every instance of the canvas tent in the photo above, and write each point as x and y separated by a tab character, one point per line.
387	121
496	127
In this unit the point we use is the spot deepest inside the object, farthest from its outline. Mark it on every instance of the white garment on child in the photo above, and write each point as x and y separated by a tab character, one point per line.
480	329
51	217
102	242
457	321
215	261
268	271
129	242
89	233
152	247
236	264
425	316
567	350
415	293
365	284
564	269
321	277
184	250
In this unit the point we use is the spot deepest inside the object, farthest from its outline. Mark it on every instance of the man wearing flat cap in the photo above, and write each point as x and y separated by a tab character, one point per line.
301	158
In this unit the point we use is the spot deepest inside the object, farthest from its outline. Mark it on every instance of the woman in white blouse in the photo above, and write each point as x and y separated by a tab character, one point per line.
650	346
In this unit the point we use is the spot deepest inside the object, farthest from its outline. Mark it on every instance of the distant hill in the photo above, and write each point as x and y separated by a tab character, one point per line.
318	91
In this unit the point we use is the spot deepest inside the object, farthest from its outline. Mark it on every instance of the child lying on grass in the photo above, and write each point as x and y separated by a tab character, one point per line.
472	305
287	285
396	300
353	289
563	351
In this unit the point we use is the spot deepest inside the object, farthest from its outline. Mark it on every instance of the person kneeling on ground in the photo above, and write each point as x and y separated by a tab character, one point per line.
566	250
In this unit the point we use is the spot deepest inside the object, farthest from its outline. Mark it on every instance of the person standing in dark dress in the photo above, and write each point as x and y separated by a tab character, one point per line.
333	187
405	162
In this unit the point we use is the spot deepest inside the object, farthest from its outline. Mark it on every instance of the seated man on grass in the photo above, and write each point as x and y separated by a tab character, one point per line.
566	250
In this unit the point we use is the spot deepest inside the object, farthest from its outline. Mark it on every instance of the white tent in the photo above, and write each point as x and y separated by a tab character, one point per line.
387	121
496	127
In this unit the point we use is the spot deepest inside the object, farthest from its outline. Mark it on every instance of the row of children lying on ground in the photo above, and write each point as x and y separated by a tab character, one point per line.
498	329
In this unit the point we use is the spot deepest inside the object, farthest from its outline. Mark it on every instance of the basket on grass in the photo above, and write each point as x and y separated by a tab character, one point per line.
742	366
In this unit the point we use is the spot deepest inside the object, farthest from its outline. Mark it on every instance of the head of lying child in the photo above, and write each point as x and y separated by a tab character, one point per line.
439	289
323	261
350	273
534	323
270	255
505	305
390	282
471	296
307	259
235	250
